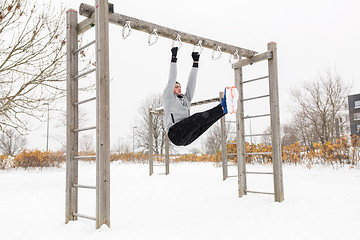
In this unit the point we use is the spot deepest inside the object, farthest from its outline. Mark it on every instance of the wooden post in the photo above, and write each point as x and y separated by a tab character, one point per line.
275	124
71	116
223	143
102	114
167	149
151	139
240	134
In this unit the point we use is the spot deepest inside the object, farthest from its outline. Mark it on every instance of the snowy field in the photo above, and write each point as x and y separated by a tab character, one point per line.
191	203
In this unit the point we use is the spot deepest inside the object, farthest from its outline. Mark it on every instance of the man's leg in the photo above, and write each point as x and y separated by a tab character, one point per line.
189	129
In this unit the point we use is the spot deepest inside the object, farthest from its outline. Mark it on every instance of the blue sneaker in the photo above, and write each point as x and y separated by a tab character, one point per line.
223	103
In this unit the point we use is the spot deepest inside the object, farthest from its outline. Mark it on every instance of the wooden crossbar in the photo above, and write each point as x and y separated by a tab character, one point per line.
147	27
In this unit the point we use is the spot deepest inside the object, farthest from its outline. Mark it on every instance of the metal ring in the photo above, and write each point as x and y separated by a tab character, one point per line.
178	38
154	32
199	44
127	25
234	58
218	49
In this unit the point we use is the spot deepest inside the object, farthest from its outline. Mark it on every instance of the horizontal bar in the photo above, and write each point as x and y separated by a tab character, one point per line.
85	73
257	135
253	98
231	154
233	176
230	121
84	186
232	165
85	157
84	129
260	192
257	116
259	153
255	79
232	132
158	165
254	59
86	24
259	173
147	27
85	101
84	216
85	46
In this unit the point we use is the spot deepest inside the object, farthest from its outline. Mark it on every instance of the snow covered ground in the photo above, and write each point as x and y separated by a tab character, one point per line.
191	203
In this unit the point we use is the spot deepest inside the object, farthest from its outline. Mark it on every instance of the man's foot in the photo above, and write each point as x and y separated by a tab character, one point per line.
232	95
223	103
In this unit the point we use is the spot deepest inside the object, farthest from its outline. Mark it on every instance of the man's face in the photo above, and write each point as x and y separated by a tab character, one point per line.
177	89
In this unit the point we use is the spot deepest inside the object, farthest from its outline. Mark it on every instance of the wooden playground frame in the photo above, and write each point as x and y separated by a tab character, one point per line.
100	16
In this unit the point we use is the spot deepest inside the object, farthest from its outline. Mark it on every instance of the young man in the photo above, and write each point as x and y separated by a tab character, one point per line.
182	128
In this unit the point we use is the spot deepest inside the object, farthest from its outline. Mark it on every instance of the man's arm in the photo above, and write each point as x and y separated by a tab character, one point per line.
191	85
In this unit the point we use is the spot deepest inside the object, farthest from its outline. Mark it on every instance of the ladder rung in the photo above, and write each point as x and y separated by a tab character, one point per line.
231	154
260	192
84	186
84	216
259	153
84	129
85	46
85	73
256	116
85	101
253	98
232	165
255	79
256	135
233	176
85	157
232	132
158	165
259	172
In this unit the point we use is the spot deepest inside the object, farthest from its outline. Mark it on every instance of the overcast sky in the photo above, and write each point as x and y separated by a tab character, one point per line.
311	35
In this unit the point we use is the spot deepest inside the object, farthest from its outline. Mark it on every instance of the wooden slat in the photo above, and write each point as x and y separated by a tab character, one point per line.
147	27
84	216
255	79
151	135
267	193
85	46
254	59
84	186
86	24
258	97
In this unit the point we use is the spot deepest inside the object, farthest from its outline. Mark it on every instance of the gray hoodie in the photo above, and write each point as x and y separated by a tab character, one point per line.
176	109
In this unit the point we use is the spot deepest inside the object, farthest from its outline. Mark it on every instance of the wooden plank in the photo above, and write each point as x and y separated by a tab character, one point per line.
102	115
71	204
254	59
167	157
151	156
147	27
275	124
223	144
240	136
86	24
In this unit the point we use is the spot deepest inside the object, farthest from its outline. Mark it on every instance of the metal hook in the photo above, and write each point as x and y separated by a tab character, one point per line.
126	26
218	49
234	57
154	32
199	44
178	38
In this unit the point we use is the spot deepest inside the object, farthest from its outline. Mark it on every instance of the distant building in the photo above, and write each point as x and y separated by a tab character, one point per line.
354	114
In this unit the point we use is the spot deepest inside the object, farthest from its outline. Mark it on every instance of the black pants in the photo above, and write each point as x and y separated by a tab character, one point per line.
189	129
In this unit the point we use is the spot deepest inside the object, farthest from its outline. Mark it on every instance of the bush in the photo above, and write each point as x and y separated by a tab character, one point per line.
36	158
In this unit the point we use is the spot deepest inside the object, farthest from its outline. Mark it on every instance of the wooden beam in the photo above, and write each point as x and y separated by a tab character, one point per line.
147	27
151	139
102	115
275	124
257	58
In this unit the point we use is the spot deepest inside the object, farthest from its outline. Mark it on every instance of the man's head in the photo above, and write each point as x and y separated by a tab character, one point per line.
177	89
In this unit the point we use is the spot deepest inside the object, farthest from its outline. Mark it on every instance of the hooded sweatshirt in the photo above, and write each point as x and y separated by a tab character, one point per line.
177	108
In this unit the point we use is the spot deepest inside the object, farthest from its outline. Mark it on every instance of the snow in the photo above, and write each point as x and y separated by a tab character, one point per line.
191	203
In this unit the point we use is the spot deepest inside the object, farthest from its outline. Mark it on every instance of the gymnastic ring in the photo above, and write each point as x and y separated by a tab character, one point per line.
218	49
234	58
199	44
126	26
178	38
153	33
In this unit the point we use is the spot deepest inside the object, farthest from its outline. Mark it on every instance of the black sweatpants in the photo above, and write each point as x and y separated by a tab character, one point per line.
189	129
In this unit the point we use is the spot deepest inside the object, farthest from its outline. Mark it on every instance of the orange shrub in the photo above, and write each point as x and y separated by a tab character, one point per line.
37	158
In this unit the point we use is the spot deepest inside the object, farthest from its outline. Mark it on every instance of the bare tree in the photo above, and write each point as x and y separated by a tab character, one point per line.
213	138
31	60
142	133
318	105
11	142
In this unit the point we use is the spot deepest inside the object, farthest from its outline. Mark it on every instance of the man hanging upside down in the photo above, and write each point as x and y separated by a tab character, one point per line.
182	128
